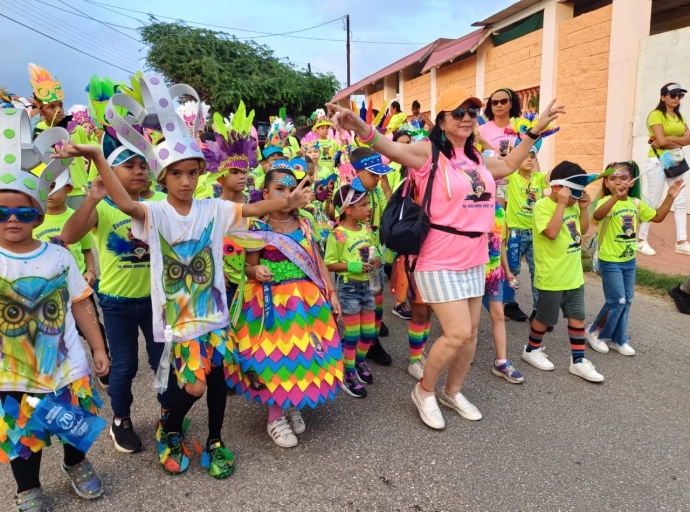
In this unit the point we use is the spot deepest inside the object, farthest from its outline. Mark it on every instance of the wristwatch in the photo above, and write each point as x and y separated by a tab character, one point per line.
532	135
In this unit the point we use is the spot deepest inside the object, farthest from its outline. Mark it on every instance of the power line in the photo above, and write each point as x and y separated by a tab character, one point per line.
67	45
94	19
88	17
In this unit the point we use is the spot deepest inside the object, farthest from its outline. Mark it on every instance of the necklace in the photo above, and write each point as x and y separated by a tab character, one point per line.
279	221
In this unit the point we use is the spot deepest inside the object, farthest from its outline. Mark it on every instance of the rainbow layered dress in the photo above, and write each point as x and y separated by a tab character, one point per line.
288	342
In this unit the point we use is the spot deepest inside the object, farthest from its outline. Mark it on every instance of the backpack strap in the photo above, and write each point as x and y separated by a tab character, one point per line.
426	201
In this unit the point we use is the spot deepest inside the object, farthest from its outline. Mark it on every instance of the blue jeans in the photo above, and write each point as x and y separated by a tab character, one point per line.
123	318
526	250
618	280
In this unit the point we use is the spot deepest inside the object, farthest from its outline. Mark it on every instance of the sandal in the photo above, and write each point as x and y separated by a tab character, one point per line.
294	418
30	501
84	479
281	433
218	460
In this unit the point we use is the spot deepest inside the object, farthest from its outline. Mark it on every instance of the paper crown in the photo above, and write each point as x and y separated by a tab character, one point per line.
189	112
234	147
278	135
46	88
320	119
19	156
158	113
309	141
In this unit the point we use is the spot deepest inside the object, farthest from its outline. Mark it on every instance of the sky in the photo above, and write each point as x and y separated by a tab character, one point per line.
390	21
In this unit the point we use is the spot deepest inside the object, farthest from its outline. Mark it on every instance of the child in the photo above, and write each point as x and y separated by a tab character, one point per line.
185	236
347	254
288	342
54	221
369	167
327	146
311	147
497	273
558	267
148	193
124	289
43	298
524	188
619	210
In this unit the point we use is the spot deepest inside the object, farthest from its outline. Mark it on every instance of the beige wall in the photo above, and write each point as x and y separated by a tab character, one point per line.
377	98
417	89
583	65
516	64
462	72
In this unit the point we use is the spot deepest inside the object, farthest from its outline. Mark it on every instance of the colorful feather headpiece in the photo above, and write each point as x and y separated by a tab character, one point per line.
380	121
100	90
309	141
46	88
6	98
234	148
518	126
80	115
320	119
188	111
416	134
278	135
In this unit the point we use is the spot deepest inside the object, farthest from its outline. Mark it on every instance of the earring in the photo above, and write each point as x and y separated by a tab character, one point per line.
443	137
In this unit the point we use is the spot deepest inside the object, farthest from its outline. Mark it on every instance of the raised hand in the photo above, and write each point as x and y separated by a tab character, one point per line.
70	149
346	118
550	113
299	197
676	187
564	196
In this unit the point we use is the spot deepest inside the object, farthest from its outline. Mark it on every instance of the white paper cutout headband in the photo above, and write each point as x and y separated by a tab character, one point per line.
576	183
157	113
19	156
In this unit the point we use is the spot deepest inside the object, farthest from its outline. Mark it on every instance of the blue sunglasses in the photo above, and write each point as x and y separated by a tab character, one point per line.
24	214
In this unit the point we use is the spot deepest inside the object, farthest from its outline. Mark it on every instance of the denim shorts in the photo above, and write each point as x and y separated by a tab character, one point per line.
355	296
489	296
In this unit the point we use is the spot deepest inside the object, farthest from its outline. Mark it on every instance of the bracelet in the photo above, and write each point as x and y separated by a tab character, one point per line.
371	137
532	135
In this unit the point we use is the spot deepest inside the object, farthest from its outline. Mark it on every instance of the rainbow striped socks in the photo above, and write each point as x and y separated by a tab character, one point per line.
577	342
535	338
417	336
367	334
350	341
378	301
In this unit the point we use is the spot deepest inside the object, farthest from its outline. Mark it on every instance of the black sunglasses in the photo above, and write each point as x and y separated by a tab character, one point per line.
496	103
459	113
24	214
674	95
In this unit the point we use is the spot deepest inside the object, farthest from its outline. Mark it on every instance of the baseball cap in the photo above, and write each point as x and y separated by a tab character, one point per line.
672	88
453	97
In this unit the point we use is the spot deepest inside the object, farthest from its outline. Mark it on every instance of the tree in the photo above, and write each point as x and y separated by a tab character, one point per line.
224	70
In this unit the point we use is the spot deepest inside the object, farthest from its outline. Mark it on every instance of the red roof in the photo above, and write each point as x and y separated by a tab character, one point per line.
417	56
455	48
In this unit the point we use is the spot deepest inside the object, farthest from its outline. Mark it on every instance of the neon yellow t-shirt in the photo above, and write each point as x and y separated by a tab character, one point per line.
558	263
394	178
619	241
521	196
345	245
157	196
673	127
205	186
124	261
51	230
324	172
378	202
328	149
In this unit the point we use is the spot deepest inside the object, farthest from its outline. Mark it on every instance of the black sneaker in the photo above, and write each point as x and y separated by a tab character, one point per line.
549	328
124	437
513	311
364	373
383	332
402	310
681	300
104	381
379	355
353	387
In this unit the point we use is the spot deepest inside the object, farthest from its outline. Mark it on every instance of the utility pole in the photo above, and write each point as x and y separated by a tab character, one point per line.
347	28
309	67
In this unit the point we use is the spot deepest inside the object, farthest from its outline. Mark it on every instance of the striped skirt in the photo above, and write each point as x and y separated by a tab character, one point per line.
436	286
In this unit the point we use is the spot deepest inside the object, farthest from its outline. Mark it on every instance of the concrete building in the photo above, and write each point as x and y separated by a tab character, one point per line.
604	59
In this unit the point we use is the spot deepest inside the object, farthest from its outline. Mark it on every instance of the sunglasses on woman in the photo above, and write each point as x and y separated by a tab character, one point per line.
24	214
459	113
675	95
496	103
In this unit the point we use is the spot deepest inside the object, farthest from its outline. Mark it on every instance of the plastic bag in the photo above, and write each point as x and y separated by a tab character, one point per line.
160	381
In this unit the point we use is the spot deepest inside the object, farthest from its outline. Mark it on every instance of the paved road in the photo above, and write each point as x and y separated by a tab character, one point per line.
555	443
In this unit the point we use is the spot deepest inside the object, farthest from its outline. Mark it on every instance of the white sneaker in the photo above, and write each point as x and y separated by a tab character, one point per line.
537	358
294	418
683	248
428	410
281	433
592	338
461	405
624	349
586	370
417	369
643	247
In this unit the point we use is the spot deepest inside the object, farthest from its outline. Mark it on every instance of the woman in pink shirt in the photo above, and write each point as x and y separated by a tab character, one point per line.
450	267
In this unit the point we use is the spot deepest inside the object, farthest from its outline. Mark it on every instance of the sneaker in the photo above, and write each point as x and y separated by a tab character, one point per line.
124	437
625	349
461	405
643	247
403	311
428	410
537	358
363	373
383	331
172	453
281	433
508	372
84	480
218	460
294	418
353	387
513	311
104	381
586	370
683	248
416	369
30	501
378	354
592	338
681	299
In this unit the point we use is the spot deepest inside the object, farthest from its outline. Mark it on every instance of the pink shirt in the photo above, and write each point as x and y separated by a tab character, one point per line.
463	198
494	135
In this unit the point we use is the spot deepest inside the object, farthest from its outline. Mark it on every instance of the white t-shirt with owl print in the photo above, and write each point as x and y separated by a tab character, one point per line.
40	350
187	281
